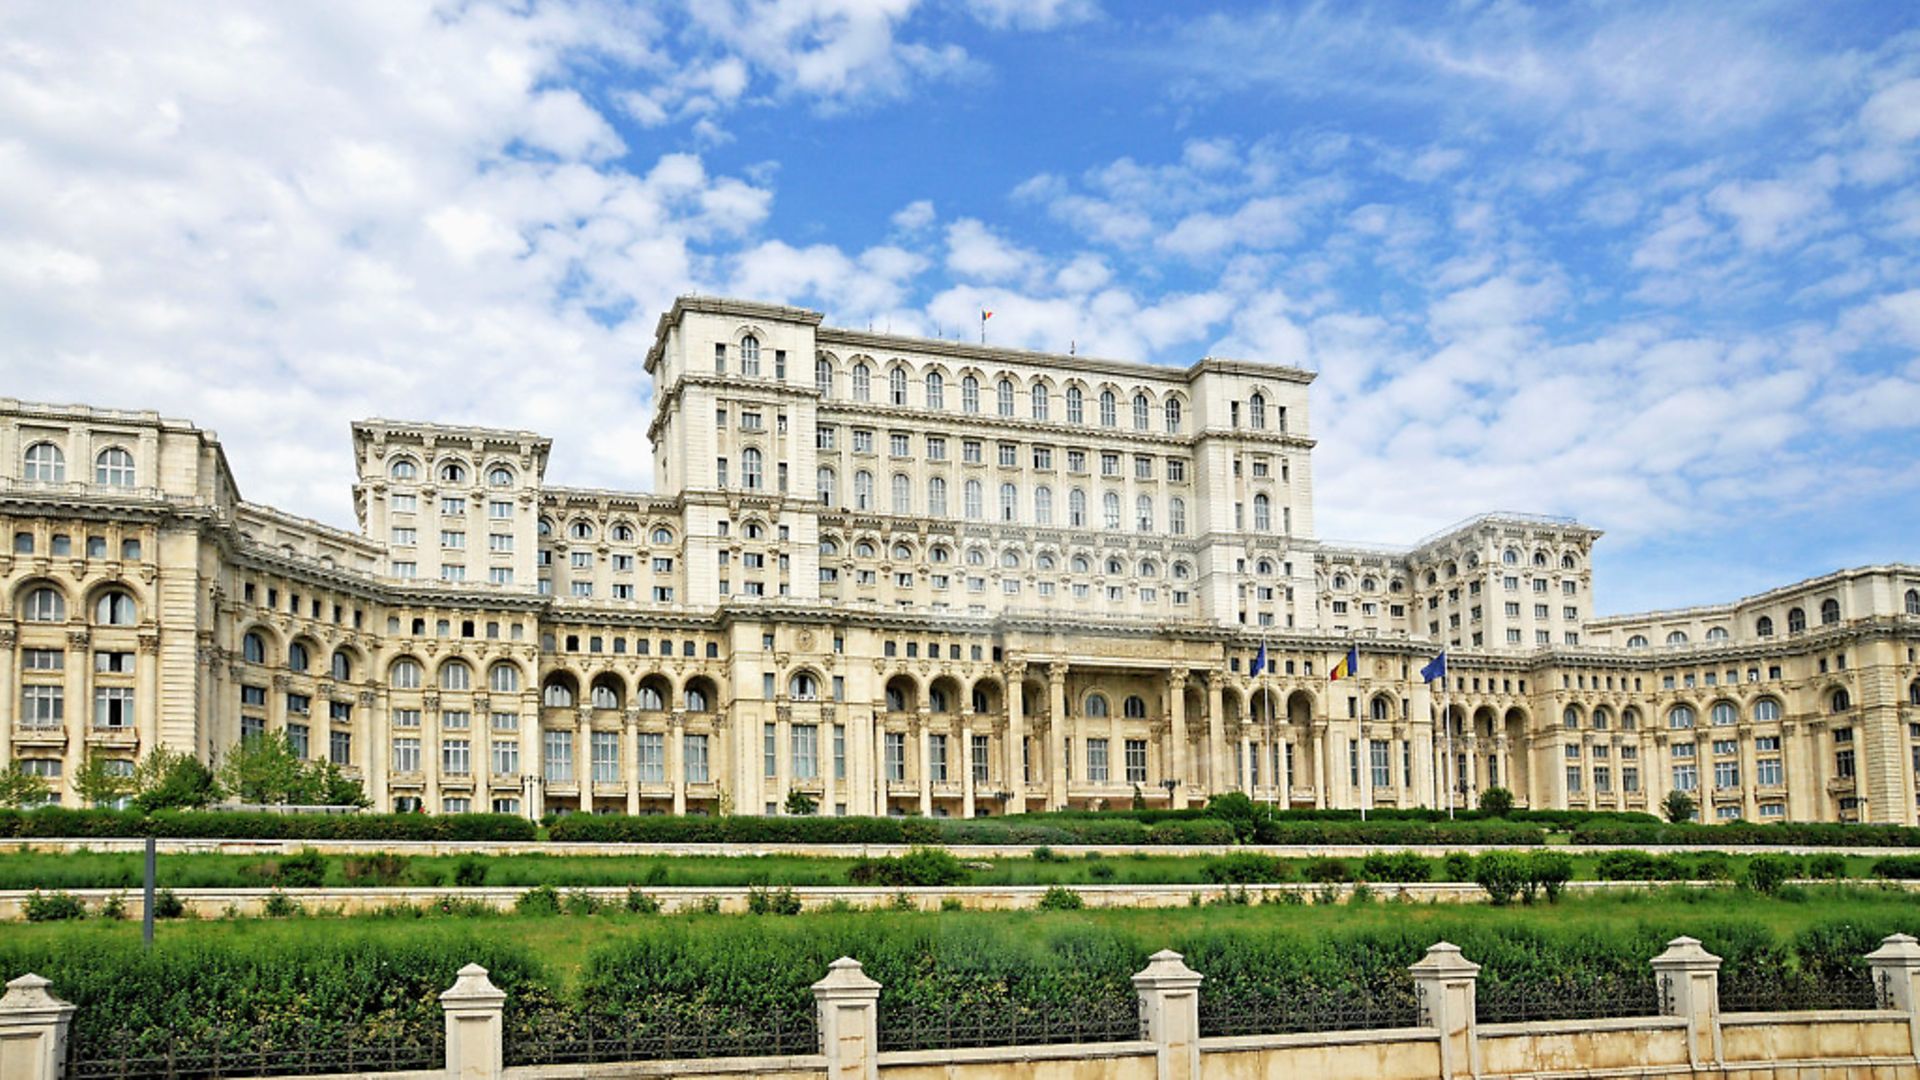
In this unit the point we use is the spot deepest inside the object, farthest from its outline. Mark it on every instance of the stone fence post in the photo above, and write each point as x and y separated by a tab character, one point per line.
1688	980
476	1022
1170	1013
849	1008
1896	976
1446	983
33	1030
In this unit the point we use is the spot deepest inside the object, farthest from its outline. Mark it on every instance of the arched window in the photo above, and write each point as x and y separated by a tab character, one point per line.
545	528
1009	502
1143	513
696	699
974	498
1181	571
663	536
342	666
749	355
1043	505
1723	714
1567	562
1077	508
115	608
1134	708
1045	561
404	469
937	700
1257	411
1080	564
1602	719
500	476
825	484
1766	710
253	649
902	553
823	376
1177	516
863	490
1842	701
503	679
862	383
406	674
1109	409
1637	641
1149	568
896	700
453	473
1913	601
897	386
649	699
1540	559
1764	627
456	675
297	657
1142	412
976	557
752	469
804	686
936	390
1173	416
1678	637
47	465
1039	395
557	695
1110	506
1913	693
902	494
1571	718
970	394
982	701
1115	567
1003	397
1829	611
1716	633
1680	716
1629	719
1510	557
114	467
1010	559
581	530
623	533
1796	621
1096	705
937	497
605	697
1076	406
1262	513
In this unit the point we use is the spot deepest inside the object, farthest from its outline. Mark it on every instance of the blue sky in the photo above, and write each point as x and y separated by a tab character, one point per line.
1648	265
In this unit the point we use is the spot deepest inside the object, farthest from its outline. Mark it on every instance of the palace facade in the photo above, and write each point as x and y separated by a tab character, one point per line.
903	576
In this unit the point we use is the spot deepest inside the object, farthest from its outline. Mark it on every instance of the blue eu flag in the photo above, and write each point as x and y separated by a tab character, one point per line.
1435	669
1260	660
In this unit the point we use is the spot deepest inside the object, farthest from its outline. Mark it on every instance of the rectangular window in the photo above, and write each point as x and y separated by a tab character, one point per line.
113	707
506	757
769	750
603	750
695	749
839	747
1726	774
1629	779
896	755
557	757
340	747
1573	779
1768	772
406	755
1097	761
806	751
980	759
1380	762
1136	750
1686	777
456	757
653	757
1843	765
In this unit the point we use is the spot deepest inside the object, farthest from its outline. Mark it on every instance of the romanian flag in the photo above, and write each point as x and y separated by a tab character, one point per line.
1348	667
985	315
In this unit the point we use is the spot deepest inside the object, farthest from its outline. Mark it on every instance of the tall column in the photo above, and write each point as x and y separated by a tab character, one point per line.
370	730
877	743
1059	731
1749	779
430	752
782	754
923	739
1248	764
79	719
966	763
532	769
1015	691
630	758
1177	732
1216	735
677	759
147	699
823	759
9	693
583	757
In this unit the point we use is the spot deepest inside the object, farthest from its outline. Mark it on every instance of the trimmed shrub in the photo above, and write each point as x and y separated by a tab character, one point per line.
1827	866
1496	802
539	900
54	907
1897	867
1459	866
305	870
1766	873
1101	872
470	872
1326	871
1399	867
780	901
921	866
1246	868
64	823
580	902
381	869
1061	898
168	906
640	903
1502	873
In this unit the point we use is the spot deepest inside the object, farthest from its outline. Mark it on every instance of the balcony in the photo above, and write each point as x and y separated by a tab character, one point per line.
113	737
40	735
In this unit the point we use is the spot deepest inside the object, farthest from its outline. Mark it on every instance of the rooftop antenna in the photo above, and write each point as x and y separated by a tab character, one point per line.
1073	347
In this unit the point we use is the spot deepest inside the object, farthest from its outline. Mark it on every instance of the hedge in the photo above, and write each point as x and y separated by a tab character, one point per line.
1746	833
56	822
1022	831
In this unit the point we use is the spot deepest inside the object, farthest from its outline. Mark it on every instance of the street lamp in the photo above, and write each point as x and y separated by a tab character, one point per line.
1170	783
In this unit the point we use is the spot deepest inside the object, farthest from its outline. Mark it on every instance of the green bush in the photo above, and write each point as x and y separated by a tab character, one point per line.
54	907
780	901
1549	872
1326	871
1102	872
1766	873
1829	834
1399	867
1502	873
1044	854
539	900
640	903
921	866
1459	866
1496	802
305	870
580	902
62	823
279	906
1061	898
1897	867
115	907
382	869
1827	866
168	906
470	872
1245	868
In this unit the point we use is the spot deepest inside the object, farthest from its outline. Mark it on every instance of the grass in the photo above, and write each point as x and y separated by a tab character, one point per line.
85	869
564	942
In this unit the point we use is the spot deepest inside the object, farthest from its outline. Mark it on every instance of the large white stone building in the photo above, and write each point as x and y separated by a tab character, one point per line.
902	575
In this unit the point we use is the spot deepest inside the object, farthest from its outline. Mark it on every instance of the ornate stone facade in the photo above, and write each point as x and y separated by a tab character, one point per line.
903	575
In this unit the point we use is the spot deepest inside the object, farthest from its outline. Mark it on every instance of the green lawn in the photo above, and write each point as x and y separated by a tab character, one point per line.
563	942
79	870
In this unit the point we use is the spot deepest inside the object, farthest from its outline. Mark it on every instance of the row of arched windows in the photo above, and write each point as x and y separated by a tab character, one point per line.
46	463
1010	559
112	608
1006	394
1007	508
407	469
560	692
1541	560
619	532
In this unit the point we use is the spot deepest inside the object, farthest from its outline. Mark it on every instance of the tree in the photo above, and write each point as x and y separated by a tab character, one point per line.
1139	799
1496	802
173	780
99	781
1678	806
262	770
1236	809
21	789
801	804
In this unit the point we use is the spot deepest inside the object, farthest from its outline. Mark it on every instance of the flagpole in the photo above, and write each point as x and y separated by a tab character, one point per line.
1446	718
1266	687
1360	725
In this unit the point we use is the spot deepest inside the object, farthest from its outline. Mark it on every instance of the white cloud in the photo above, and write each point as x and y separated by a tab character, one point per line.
973	251
914	216
1893	114
1031	14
